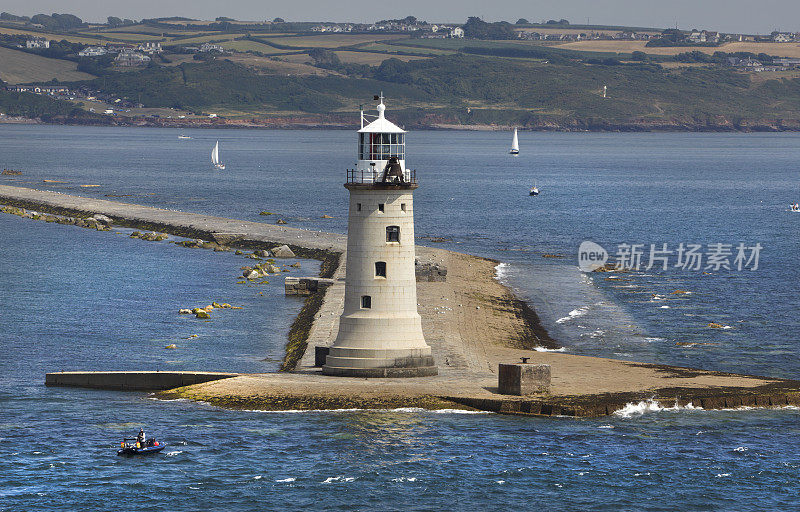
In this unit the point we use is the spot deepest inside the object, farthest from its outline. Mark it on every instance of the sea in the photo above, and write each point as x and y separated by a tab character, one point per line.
74	298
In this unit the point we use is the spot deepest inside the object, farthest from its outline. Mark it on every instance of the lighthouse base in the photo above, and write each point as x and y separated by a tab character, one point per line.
351	362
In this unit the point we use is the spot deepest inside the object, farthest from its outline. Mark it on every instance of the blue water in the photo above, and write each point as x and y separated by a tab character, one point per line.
74	298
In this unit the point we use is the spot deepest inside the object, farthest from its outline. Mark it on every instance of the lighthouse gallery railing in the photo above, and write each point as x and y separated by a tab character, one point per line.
360	176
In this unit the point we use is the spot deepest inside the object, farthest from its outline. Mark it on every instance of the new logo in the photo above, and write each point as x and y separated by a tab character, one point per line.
591	256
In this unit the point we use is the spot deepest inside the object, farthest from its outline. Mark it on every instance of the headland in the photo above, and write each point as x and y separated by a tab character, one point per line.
471	321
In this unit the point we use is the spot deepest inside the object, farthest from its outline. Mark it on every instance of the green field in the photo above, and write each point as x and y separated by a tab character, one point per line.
73	38
17	67
247	45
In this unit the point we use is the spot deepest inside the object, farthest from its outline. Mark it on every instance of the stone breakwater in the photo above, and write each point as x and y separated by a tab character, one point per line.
471	321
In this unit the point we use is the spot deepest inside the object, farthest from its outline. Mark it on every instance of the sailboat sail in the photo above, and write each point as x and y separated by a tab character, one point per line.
215	154
514	143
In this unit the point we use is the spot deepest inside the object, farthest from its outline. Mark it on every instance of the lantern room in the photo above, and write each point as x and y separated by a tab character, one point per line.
380	143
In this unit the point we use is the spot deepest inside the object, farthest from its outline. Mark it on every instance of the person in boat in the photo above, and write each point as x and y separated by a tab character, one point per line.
140	439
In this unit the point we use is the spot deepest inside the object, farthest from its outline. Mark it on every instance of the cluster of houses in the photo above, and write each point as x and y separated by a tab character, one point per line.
37	43
751	64
204	48
424	30
583	36
127	55
707	36
48	90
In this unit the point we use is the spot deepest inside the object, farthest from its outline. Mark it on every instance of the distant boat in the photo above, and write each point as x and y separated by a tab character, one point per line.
534	190
184	137
215	157
514	144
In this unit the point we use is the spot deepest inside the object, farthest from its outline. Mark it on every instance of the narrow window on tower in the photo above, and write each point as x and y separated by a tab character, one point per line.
393	234
381	207
403	206
358	207
380	269
366	302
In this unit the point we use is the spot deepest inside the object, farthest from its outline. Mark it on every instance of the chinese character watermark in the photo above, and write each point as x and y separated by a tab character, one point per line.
713	257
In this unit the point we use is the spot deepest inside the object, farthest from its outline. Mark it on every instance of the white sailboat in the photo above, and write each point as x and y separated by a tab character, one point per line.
215	157
514	144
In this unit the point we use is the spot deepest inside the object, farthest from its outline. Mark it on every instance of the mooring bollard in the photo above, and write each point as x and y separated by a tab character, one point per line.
523	378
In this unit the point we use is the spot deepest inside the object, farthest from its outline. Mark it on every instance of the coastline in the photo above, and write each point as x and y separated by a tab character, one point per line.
472	322
301	121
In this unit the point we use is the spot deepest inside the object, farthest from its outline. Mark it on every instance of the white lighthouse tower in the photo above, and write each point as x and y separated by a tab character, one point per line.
380	331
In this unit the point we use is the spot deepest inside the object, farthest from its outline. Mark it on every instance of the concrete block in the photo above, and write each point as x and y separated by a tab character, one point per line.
523	378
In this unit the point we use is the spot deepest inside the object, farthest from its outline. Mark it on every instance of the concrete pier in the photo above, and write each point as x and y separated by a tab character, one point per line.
308	244
133	380
471	321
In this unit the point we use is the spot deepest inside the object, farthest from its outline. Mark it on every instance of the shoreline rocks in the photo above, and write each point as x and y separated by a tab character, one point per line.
283	251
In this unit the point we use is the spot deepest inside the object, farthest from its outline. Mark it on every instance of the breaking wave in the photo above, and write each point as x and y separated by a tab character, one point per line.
637	409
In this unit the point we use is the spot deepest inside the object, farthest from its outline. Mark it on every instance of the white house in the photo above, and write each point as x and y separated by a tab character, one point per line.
150	47
457	33
129	58
783	37
92	51
37	42
208	47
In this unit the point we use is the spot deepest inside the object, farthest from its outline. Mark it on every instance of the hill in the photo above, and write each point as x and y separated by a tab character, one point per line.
18	67
476	90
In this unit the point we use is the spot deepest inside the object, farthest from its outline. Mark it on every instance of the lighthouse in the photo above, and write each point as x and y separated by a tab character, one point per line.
380	331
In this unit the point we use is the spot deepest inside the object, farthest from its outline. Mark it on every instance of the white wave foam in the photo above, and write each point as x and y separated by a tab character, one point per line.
501	482
638	409
740	449
575	313
664	307
257	477
651	340
544	349
404	479
333	479
174	453
721	475
501	271
286	480
606	426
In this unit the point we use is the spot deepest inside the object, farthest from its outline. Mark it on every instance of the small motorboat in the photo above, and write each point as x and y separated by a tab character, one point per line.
534	190
184	137
129	449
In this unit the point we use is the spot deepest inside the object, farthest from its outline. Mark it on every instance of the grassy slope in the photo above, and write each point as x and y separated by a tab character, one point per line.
497	90
18	67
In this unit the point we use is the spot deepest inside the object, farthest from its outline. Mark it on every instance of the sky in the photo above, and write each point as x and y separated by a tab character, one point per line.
746	16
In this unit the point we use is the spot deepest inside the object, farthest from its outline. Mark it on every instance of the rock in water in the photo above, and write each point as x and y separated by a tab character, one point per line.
295	265
283	252
171	346
102	219
280	221
262	253
185	312
202	314
326	216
